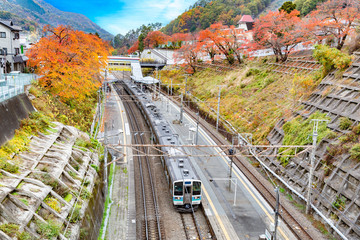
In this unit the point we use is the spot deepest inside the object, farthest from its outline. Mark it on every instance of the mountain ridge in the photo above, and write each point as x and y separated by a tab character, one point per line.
44	13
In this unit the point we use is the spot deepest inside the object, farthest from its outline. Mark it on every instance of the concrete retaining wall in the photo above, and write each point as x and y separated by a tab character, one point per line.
12	111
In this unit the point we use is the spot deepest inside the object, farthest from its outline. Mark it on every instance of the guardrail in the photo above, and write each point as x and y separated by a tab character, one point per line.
13	84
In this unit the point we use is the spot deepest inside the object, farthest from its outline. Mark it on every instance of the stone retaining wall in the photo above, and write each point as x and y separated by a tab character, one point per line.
55	177
337	98
12	111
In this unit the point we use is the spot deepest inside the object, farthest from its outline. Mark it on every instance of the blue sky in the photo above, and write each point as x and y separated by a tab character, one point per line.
119	16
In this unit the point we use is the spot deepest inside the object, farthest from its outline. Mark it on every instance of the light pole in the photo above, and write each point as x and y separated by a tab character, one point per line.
276	210
182	101
218	108
312	162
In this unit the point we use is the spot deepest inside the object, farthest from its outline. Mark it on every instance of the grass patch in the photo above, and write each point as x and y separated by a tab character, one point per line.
85	194
345	123
355	152
299	132
107	202
7	166
49	229
10	229
76	214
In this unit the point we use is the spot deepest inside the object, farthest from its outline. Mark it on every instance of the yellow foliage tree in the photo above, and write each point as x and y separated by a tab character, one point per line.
69	61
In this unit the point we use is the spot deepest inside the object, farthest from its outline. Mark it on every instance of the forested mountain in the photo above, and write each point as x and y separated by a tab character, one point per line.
205	12
306	6
43	13
27	25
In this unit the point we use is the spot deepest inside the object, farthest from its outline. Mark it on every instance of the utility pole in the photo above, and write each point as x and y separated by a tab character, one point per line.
231	155
159	75
197	127
182	101
276	210
312	162
171	89
218	109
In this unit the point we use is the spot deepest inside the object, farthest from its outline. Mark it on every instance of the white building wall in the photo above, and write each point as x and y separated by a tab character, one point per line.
10	44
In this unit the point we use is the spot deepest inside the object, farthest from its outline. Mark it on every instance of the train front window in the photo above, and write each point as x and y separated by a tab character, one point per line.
178	188
196	188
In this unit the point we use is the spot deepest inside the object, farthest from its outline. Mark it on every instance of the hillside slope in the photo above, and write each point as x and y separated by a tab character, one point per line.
44	13
205	12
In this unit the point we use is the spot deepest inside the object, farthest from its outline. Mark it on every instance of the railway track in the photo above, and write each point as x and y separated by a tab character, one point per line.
256	179
190	226
152	227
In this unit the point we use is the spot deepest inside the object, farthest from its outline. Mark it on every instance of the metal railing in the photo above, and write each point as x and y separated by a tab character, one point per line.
13	84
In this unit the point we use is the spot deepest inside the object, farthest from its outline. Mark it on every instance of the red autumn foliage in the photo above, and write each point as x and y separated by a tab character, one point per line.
134	47
333	20
155	38
223	39
280	31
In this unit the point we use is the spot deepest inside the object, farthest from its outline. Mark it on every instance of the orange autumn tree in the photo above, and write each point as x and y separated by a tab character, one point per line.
334	21
69	61
178	38
223	39
280	31
155	38
189	53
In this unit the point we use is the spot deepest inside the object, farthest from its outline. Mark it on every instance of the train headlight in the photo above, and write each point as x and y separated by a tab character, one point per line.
197	198
178	198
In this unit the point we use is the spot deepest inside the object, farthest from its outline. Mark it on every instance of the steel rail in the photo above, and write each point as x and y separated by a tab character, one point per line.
140	139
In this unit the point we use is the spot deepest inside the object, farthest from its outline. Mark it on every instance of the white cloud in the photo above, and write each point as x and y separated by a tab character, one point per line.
138	12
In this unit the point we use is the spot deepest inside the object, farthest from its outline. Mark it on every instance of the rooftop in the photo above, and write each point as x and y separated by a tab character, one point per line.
10	25
246	18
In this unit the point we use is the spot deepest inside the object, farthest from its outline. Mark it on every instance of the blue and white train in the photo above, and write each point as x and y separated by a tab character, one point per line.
184	184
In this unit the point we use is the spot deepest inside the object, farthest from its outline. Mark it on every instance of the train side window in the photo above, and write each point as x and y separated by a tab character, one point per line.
178	188
196	188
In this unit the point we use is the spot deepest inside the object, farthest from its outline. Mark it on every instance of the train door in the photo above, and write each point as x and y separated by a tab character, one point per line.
188	194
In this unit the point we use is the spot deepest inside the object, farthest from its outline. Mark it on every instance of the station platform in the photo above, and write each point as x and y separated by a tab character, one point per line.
121	212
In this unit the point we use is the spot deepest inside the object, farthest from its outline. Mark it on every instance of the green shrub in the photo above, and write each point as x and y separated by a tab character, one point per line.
50	229
355	152
9	167
68	197
75	215
24	236
10	229
339	203
331	58
356	129
331	135
252	71
345	123
299	132
85	194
